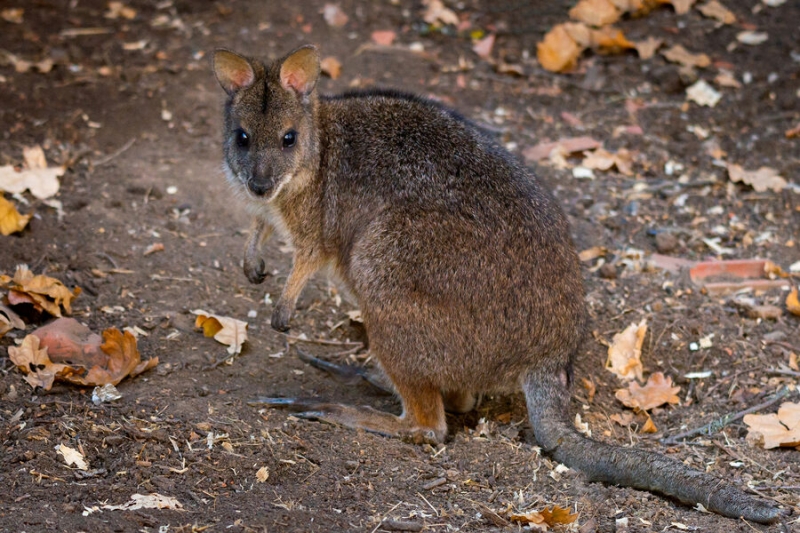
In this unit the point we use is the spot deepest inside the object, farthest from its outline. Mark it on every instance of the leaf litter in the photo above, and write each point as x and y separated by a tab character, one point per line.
625	352
43	292
781	429
66	350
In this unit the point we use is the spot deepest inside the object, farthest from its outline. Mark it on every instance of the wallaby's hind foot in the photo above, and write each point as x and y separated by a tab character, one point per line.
364	417
349	374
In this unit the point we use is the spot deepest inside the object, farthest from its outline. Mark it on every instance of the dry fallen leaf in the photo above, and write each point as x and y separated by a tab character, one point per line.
595	12
225	330
383	37
11	221
601	159
568	146
679	54
792	302
716	10
45	293
9	320
331	67
334	16
649	426
775	430
591	389
558	51
647	48
546	518
483	47
592	253
149	501
625	352
12	15
263	474
118	9
68	351
37	177
623	419
703	94
656	392
72	457
763	179
436	12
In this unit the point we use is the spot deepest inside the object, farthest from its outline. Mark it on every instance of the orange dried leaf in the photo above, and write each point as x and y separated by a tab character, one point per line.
534	518
679	54
66	350
557	515
656	392
558	52
792	302
595	12
775	430
649	426
716	10
331	67
44	292
647	48
609	40
226	330
625	352
11	221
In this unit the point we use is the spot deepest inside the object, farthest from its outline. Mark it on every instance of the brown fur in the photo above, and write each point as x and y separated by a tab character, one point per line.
460	260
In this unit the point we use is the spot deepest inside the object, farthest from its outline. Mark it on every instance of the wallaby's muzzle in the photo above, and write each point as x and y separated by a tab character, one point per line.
260	186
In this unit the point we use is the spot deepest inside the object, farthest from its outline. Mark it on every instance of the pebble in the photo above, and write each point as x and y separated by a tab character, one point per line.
666	242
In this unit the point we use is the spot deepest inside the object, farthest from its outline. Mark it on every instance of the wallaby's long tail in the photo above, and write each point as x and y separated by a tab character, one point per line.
547	397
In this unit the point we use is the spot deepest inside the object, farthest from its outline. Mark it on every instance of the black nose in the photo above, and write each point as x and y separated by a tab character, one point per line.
259	188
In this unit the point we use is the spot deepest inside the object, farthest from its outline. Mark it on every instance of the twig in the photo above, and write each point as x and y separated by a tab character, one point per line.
716	425
109	157
783	372
322	341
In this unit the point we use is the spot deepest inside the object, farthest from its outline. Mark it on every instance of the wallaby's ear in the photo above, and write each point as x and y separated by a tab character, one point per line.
300	70
233	71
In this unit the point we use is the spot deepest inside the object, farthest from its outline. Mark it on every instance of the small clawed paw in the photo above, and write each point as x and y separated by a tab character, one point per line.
280	319
255	273
420	436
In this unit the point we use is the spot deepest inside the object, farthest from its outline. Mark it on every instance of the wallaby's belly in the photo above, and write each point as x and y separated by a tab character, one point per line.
471	303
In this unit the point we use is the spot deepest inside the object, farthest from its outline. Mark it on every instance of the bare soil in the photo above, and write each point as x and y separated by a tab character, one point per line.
140	130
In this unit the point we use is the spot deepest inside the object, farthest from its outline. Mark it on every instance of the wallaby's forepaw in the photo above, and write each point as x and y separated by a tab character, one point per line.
255	270
280	317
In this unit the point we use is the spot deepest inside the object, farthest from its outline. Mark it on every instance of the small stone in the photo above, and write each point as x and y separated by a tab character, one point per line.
666	242
607	271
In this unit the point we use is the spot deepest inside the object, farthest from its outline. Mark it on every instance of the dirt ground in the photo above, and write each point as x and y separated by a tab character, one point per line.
135	112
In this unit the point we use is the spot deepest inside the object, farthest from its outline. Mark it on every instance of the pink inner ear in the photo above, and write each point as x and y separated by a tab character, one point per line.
242	78
295	81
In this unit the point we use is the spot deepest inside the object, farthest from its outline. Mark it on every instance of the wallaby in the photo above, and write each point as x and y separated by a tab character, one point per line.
460	259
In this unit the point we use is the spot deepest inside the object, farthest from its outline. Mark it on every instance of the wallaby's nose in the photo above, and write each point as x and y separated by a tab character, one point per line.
259	187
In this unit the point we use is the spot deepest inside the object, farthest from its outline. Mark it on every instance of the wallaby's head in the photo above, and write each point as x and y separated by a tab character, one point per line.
270	135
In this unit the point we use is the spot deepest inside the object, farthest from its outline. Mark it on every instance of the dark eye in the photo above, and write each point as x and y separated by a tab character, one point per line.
289	138
242	139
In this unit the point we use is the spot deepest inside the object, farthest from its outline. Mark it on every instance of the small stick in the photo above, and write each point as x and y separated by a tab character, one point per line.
106	159
783	372
716	425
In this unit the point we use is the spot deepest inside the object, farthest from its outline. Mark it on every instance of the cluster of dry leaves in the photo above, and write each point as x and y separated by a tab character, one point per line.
64	349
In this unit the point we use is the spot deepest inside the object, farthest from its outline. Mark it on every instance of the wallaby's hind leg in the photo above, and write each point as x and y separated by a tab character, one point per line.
422	421
349	373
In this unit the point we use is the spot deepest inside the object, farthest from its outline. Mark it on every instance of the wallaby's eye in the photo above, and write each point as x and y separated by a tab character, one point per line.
242	139
289	138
